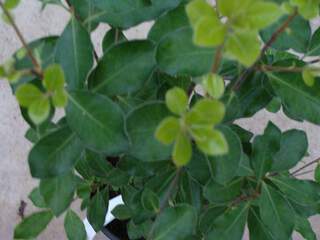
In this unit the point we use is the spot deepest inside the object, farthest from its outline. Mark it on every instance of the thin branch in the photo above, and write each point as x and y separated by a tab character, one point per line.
217	59
269	68
303	173
163	203
37	67
273	38
306	165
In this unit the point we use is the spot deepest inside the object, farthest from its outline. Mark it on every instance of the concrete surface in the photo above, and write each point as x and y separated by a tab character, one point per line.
16	183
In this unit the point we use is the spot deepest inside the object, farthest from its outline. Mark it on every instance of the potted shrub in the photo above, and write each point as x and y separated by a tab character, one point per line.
154	121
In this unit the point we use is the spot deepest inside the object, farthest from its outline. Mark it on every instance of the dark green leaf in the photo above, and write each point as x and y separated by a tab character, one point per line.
314	48
124	69
293	147
230	225
257	229
74	227
37	199
112	37
98	121
276	213
217	193
208	217
317	174
150	200
97	209
141	125
225	167
296	35
58	192
33	225
121	212
176	54
55	154
264	148
175	223
74	53
303	192
303	226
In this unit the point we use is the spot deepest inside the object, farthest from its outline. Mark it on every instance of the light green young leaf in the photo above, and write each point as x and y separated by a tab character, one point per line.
14	77
60	98
308	77
74	226
213	84
211	142
231	8
168	130
39	110
244	46
197	9
33	225
28	94
53	78
177	100
11	4
205	112
307	8
182	150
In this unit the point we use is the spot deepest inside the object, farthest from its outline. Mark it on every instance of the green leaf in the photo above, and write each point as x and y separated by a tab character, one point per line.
217	193
230	225
244	46
33	225
303	226
317	174
211	141
213	84
206	112
74	227
150	200
113	36
308	77
122	212
308	9
296	36
168	130
168	23
225	167
37	199
177	54
60	98
98	121
257	229
53	78
264	148
97	209
177	100
198	9
74	52
58	192
314	48
11	4
182	150
275	105
208	217
39	110
293	148
175	223
141	125
55	154
303	192
276	213
124	69
28	94
300	100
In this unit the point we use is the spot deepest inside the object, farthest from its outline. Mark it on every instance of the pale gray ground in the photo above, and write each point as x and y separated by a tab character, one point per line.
16	183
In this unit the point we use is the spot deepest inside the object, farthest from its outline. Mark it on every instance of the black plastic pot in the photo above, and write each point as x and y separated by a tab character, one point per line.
116	230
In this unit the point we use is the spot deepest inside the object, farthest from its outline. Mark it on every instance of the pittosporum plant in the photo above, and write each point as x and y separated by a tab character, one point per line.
136	126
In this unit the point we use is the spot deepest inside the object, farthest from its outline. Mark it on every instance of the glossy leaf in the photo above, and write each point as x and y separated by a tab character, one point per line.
276	213
230	225
74	227
175	223
58	192
55	154
103	119
74	52
33	225
141	125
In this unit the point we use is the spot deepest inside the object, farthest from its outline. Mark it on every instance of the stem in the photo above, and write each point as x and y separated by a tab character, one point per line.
165	199
273	38
37	67
306	165
303	173
217	59
269	68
